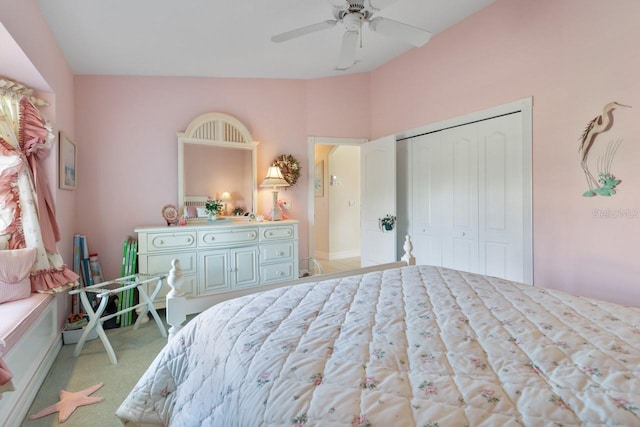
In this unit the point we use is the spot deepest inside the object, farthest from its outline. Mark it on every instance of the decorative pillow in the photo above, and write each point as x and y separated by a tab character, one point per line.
15	266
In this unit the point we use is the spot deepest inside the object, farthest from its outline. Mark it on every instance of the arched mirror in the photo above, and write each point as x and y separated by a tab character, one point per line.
217	158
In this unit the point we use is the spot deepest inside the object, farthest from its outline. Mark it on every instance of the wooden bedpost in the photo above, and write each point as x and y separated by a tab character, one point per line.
408	247
176	308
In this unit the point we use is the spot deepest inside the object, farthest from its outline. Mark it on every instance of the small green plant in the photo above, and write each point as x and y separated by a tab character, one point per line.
238	211
213	206
608	182
387	222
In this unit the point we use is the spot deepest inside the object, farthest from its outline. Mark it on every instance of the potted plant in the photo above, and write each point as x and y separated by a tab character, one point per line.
238	211
213	207
387	222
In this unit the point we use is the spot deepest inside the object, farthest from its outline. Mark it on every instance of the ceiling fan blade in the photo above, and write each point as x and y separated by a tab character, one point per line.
408	33
340	4
348	50
282	37
377	5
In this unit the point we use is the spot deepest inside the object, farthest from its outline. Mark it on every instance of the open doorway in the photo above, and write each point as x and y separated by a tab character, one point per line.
334	204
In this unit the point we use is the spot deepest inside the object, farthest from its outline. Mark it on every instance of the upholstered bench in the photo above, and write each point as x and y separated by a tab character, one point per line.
29	327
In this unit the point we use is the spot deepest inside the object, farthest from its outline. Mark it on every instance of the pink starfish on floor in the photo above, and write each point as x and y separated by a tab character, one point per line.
68	403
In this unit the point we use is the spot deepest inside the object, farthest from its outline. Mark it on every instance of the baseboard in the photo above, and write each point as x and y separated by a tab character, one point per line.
321	255
337	254
343	254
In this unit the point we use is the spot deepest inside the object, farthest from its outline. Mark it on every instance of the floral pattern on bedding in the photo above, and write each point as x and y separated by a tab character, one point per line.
419	345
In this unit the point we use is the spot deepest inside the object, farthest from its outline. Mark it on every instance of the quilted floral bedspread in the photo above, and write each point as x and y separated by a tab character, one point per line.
417	345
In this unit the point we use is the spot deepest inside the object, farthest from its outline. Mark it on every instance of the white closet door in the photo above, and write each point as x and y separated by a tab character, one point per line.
459	162
428	193
467	197
501	208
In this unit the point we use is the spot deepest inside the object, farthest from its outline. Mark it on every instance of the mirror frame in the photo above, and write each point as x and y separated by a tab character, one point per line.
223	131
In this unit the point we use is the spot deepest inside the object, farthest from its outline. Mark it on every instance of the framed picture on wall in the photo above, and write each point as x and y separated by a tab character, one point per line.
318	179
67	158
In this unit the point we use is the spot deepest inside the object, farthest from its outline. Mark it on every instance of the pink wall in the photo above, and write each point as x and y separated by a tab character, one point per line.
339	107
27	28
573	57
127	127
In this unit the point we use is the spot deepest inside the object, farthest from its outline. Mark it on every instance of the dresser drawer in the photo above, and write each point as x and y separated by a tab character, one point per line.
213	238
171	241
276	252
277	272
277	233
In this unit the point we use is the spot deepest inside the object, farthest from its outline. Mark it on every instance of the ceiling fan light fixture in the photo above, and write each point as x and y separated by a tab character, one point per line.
353	21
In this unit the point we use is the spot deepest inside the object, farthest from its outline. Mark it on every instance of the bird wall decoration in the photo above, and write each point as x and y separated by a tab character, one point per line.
605	183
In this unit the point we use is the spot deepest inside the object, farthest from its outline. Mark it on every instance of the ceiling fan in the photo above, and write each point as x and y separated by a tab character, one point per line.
352	13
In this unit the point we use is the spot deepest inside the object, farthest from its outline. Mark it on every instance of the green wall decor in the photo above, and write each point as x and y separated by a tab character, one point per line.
605	183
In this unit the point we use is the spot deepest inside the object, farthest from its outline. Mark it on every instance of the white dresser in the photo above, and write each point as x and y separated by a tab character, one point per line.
221	256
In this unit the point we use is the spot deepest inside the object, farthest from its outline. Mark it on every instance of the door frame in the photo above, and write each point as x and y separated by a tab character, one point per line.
312	142
524	106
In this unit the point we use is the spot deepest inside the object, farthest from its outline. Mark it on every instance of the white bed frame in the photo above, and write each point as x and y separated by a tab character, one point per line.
176	298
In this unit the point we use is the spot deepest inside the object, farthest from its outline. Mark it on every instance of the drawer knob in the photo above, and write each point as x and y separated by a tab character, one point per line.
270	233
280	273
288	232
279	253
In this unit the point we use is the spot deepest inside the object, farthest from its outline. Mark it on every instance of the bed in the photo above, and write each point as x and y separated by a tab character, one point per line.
412	345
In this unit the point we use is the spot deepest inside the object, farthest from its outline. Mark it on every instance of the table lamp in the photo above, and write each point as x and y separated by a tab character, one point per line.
226	198
275	179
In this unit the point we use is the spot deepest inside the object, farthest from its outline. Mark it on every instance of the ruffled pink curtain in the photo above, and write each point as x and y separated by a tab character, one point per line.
33	136
23	187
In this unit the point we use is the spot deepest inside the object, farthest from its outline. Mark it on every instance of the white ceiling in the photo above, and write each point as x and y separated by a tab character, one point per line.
228	38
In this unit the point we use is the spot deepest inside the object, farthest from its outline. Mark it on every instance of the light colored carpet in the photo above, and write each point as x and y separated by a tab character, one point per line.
135	350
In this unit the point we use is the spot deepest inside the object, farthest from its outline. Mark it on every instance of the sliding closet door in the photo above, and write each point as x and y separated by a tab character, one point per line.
444	169
501	207
459	160
426	201
467	197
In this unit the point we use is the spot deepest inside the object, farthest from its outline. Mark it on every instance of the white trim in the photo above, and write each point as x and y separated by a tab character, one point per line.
342	255
512	107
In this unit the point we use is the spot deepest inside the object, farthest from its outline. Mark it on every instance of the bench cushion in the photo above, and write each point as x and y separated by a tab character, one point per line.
18	316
